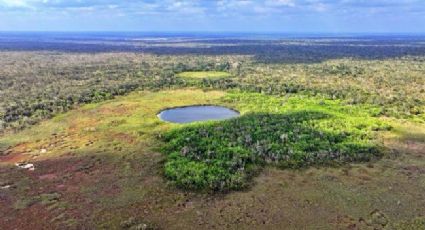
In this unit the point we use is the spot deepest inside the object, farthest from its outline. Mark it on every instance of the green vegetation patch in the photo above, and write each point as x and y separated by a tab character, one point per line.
289	132
44	199
417	223
204	74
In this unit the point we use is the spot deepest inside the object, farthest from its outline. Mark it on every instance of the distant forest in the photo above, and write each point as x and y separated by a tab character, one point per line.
43	76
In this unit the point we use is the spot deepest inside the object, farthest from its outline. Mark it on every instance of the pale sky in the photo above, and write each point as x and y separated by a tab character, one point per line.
302	16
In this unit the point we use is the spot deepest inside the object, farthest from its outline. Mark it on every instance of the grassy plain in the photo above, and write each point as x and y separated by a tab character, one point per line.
204	74
99	166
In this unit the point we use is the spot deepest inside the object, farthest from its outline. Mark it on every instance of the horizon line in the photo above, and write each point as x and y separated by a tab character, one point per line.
212	32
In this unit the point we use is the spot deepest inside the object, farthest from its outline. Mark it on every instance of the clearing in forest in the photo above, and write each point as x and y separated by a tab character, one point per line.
204	75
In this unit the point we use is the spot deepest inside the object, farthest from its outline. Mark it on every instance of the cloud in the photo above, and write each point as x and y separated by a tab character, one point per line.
15	3
290	3
241	7
209	12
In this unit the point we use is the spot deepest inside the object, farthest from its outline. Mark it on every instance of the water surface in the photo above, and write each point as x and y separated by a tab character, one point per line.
197	113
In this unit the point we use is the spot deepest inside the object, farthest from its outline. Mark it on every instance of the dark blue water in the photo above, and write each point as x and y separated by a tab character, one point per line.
197	113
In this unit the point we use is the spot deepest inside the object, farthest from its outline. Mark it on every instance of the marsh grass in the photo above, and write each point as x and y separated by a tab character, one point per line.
204	75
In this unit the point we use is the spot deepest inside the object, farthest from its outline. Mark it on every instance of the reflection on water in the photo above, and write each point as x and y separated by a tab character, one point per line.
197	113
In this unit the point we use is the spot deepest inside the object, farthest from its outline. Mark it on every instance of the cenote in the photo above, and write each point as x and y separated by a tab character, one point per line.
195	113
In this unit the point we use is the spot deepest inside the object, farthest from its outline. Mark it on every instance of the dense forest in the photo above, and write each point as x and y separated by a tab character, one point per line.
35	86
48	80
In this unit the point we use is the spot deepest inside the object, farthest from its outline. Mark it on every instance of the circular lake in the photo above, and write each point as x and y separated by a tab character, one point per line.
195	113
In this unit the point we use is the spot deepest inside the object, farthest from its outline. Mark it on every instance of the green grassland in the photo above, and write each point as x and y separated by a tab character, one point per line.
204	75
